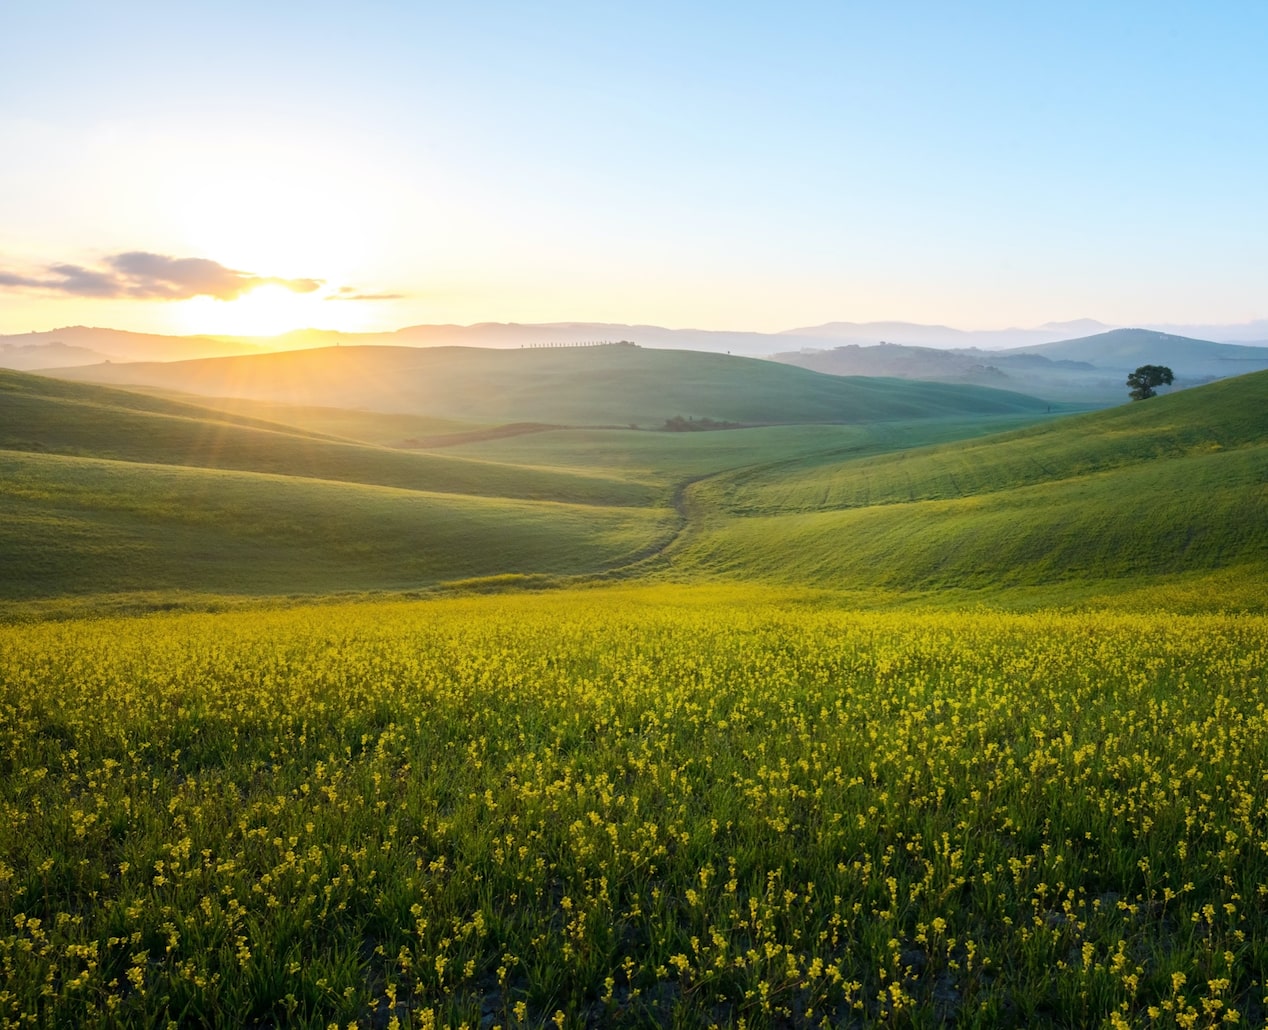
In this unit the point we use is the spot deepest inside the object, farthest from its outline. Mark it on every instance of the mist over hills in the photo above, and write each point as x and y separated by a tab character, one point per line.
89	345
1089	369
84	345
1049	361
605	385
866	334
1126	349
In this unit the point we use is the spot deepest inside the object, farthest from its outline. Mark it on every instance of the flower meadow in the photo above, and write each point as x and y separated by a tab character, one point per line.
656	806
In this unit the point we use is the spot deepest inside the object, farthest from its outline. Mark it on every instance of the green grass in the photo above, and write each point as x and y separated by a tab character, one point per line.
659	458
1176	484
670	807
46	416
1228	415
118	495
1173	486
83	526
829	782
1187	514
374	427
609	386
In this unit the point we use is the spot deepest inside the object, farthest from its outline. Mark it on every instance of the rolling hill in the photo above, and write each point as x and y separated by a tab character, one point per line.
1126	349
1089	370
1177	484
43	415
605	385
85	526
84	345
1076	382
104	491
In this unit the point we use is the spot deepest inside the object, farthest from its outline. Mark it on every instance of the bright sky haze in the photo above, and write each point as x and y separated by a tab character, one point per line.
253	168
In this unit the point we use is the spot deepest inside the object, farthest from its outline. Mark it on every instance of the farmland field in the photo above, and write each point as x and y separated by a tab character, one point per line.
953	719
633	806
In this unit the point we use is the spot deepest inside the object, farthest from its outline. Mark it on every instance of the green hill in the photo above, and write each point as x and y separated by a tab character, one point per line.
45	415
1175	484
608	385
108	491
76	526
104	490
1126	349
376	427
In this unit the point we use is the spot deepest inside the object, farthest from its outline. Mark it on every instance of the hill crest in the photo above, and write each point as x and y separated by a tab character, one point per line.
614	386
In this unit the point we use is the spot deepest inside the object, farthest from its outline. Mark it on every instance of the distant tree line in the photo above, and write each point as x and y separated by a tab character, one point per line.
583	343
678	424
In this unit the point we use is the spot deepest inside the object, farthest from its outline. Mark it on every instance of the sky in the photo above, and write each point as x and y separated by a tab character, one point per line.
246	167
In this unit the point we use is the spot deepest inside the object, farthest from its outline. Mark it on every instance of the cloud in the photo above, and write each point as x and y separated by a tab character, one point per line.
352	293
144	276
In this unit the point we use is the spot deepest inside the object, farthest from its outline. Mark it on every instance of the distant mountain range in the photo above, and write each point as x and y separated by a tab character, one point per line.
941	336
1090	369
84	345
865	334
1081	361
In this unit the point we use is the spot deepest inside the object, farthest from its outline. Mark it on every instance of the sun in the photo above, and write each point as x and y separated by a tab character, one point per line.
267	310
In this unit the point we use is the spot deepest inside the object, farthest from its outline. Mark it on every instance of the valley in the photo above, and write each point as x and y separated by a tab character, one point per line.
896	702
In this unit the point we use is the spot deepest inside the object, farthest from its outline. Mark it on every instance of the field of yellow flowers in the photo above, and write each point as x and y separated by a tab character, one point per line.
634	807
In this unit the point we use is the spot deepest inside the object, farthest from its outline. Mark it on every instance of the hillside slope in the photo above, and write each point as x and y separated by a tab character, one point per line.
44	415
83	526
1126	349
1176	483
1089	370
80	345
610	385
1062	381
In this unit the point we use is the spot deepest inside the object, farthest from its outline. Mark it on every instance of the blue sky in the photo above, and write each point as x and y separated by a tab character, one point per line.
711	165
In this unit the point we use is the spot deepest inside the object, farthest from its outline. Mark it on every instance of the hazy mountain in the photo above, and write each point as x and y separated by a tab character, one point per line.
897	360
1055	380
83	345
512	334
507	335
516	334
912	334
24	350
613	385
1089	369
1126	349
1254	332
24	357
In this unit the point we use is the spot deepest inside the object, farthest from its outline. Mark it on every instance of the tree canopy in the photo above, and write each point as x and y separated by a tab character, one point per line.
1145	378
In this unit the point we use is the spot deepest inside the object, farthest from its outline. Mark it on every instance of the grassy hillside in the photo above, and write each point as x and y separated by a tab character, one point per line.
1197	512
1227	415
1126	349
109	491
614	385
86	526
656	457
1178	483
214	502
48	416
386	429
1067	382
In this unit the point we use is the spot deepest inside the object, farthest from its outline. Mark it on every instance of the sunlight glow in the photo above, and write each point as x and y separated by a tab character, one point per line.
265	311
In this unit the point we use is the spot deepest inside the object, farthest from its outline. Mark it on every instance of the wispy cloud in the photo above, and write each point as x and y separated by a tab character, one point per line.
144	276
352	293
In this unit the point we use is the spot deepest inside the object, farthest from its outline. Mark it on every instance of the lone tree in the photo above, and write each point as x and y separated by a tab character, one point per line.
1145	378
